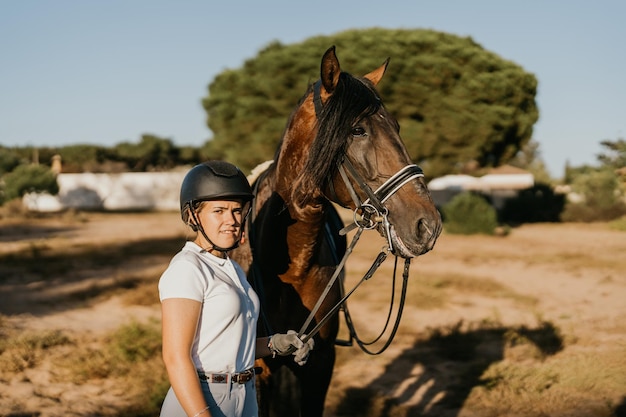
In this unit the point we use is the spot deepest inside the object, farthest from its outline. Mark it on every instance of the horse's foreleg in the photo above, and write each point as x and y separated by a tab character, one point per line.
315	380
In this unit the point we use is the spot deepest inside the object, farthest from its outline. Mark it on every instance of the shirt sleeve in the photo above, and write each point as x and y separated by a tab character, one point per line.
182	279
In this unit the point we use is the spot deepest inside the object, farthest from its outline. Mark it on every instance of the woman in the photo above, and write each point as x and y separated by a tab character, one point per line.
209	311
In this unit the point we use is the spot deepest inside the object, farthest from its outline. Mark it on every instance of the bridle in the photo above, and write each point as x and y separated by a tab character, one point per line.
368	214
372	211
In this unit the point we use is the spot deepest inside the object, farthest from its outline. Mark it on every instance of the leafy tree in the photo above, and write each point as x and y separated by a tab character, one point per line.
573	172
189	155
529	158
151	153
76	158
9	159
83	157
602	189
27	178
603	198
457	103
614	155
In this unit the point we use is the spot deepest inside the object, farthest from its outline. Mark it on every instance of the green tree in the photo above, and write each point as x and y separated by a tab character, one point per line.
457	103
601	189
189	155
602	197
27	178
83	157
529	158
9	159
152	153
614	155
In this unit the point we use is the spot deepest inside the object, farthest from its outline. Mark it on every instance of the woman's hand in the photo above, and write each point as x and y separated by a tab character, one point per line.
290	344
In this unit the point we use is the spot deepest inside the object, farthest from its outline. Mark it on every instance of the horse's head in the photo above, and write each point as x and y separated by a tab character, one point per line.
353	155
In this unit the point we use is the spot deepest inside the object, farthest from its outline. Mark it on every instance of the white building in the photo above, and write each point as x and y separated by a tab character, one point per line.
499	184
116	192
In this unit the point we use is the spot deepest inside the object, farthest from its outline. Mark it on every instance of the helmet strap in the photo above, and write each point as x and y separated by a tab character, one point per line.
197	226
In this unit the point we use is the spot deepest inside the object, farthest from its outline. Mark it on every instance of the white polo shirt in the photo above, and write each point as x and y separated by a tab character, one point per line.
226	336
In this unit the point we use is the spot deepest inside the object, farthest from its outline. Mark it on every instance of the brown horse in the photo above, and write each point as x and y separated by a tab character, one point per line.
340	146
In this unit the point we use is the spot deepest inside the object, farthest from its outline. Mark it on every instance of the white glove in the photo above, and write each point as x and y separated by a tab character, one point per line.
301	355
289	343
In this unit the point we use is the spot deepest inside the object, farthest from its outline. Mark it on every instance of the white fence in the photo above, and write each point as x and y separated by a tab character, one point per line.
114	192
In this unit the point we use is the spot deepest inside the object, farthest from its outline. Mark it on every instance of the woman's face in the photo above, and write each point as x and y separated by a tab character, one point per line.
221	221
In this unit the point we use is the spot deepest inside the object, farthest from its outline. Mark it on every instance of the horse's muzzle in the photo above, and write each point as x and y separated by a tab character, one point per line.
419	241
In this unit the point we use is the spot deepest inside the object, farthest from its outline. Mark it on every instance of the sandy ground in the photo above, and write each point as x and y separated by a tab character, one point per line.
570	275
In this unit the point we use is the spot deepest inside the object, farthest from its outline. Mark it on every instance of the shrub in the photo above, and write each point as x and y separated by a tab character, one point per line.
536	204
603	198
469	213
619	224
29	178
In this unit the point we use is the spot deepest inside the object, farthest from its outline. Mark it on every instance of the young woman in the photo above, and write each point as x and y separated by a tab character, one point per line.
209	311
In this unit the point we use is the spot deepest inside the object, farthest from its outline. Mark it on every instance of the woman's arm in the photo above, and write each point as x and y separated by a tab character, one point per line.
262	349
179	320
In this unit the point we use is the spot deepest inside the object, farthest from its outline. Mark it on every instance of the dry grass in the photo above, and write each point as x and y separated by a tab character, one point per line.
20	351
126	361
531	324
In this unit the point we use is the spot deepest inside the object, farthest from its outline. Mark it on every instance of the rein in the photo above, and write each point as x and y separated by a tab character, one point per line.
305	336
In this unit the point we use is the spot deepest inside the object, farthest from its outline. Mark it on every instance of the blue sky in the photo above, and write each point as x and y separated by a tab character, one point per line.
104	72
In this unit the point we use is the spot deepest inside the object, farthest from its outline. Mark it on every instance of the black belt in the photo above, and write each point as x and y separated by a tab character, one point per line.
238	378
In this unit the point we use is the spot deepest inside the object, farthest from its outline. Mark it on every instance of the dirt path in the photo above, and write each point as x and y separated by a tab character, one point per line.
570	276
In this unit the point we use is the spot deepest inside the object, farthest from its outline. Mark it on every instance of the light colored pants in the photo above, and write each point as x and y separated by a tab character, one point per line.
224	400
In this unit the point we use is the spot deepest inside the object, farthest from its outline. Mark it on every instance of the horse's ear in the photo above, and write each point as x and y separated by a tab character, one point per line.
330	70
376	75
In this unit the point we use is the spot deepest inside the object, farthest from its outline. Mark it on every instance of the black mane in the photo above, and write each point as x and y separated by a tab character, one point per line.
352	100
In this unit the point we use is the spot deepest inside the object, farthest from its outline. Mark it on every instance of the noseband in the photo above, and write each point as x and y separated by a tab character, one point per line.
372	211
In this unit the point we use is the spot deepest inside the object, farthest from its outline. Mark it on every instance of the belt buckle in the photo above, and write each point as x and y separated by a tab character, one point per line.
219	378
243	377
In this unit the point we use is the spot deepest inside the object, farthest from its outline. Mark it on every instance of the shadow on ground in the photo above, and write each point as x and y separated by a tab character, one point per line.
434	377
43	279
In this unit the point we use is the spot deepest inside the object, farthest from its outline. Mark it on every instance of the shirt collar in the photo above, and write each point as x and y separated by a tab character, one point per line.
214	259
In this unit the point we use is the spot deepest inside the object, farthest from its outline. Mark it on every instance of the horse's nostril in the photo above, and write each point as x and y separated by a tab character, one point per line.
423	230
428	232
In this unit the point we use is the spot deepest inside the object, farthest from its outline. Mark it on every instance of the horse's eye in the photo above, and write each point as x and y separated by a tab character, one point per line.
358	132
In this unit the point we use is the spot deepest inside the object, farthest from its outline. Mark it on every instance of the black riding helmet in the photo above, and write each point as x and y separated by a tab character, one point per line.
213	180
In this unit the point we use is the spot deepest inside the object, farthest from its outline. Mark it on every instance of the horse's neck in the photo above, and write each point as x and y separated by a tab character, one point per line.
303	236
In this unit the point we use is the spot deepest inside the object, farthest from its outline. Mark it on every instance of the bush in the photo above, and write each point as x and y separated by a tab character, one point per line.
469	213
29	178
532	205
603	198
619	224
